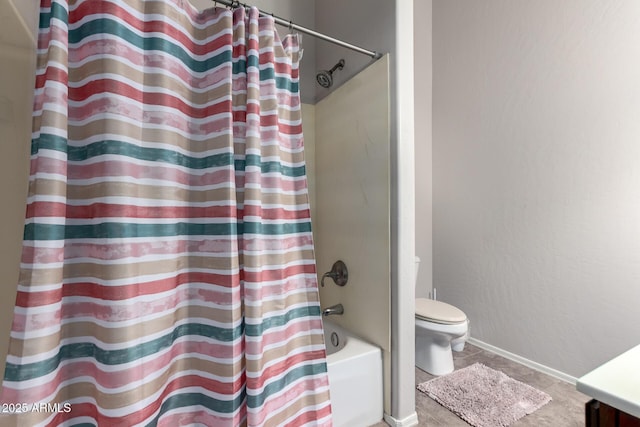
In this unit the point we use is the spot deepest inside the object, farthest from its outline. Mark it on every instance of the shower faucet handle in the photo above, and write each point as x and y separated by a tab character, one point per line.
339	274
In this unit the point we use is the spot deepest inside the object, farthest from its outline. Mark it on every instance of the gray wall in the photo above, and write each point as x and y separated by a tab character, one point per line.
423	67
536	147
347	20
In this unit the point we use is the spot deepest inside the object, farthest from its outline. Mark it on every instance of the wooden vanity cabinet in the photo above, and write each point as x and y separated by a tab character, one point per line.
598	414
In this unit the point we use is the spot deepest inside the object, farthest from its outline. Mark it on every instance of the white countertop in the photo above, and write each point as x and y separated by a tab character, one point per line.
616	383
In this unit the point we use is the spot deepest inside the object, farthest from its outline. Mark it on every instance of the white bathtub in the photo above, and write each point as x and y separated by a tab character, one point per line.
355	378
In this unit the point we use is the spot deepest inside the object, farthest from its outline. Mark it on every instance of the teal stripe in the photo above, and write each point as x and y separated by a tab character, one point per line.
291	376
47	141
258	330
198	399
29	371
100	148
57	11
274	229
111	230
109	26
270	167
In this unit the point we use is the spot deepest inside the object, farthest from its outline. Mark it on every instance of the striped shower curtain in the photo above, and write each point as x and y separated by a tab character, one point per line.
168	274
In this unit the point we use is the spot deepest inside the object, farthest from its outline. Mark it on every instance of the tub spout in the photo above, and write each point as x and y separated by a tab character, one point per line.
334	309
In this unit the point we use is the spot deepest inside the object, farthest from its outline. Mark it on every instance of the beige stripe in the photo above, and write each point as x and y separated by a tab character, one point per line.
135	191
292	407
129	333
115	335
52	54
47	276
168	84
25	419
135	132
173	138
134	268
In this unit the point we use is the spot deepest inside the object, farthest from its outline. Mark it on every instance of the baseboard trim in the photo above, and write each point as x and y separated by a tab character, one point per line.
524	361
410	421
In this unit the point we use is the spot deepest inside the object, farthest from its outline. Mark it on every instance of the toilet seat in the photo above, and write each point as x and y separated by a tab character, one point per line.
438	312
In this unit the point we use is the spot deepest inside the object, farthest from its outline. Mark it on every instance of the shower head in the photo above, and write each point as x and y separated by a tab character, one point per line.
325	78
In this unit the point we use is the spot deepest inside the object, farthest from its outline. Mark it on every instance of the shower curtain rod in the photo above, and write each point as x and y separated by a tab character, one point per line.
292	26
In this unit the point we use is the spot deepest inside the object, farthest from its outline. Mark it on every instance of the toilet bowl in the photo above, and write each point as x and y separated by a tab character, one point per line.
439	326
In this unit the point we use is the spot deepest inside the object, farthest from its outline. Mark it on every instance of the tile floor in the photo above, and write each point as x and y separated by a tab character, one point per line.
565	410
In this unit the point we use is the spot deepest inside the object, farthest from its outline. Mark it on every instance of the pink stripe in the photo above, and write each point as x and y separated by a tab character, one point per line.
150	60
203	417
51	94
277	402
120	107
54	32
105	210
291	362
34	298
97	211
117	251
91	88
267	243
159	171
113	312
282	337
289	278
43	164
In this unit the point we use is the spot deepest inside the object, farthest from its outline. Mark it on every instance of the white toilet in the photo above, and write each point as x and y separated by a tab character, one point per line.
439	328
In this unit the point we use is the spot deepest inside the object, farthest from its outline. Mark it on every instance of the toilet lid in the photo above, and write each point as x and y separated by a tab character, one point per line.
438	312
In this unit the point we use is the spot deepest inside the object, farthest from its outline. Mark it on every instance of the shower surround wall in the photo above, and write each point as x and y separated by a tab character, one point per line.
18	22
536	178
352	211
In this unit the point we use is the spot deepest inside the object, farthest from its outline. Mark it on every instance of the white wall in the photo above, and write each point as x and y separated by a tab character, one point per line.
19	20
536	154
348	21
